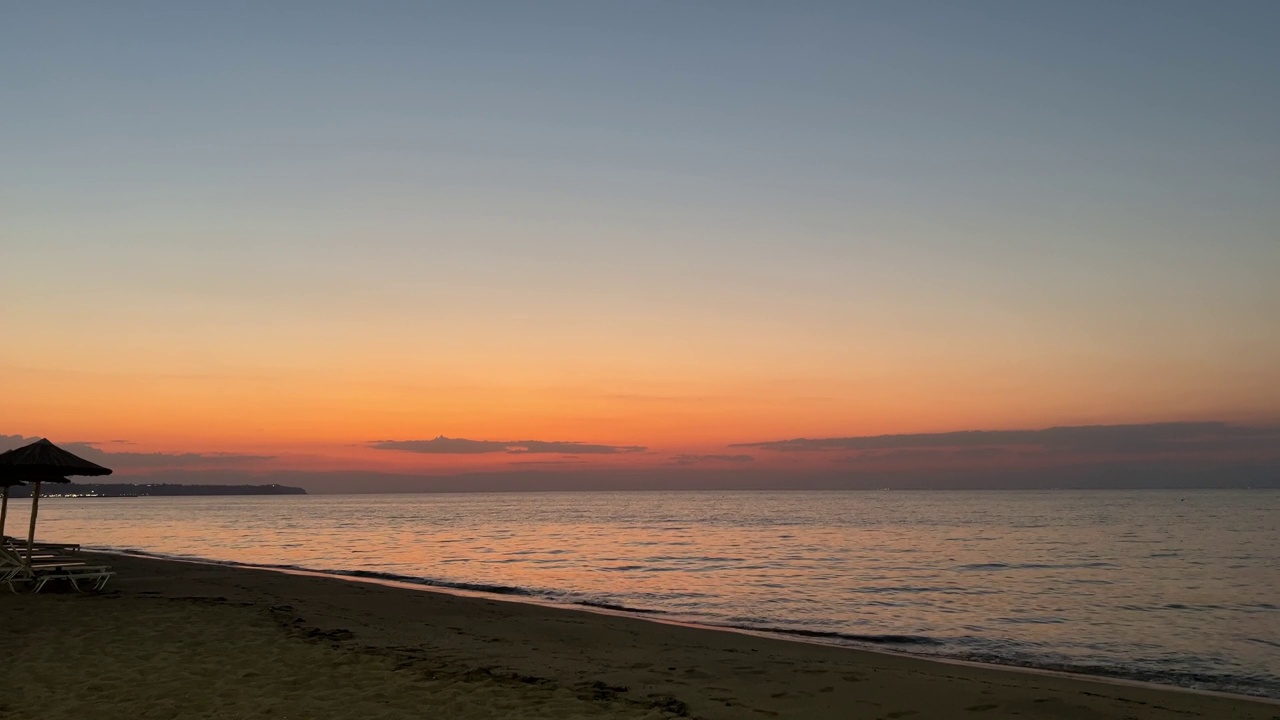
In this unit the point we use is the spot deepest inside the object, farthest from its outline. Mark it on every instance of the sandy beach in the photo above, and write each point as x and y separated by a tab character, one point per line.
183	640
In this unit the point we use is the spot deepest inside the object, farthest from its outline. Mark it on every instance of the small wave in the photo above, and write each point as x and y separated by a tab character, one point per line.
412	579
1036	566
1239	684
854	637
199	559
615	606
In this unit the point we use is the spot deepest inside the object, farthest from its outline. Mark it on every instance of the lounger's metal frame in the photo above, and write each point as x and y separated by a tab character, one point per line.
99	574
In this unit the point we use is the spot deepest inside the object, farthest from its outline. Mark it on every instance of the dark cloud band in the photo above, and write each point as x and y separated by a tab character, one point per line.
461	446
127	460
1092	439
687	459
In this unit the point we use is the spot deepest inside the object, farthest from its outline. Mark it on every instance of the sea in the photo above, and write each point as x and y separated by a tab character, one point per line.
1175	587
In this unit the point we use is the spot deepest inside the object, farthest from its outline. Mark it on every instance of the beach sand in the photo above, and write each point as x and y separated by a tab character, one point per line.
183	640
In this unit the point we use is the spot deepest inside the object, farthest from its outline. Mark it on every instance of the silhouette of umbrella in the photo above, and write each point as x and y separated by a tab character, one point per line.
42	461
5	484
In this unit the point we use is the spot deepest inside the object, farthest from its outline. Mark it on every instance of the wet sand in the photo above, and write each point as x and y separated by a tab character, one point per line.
182	640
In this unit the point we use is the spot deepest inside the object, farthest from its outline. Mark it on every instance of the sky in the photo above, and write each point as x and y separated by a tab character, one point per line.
640	240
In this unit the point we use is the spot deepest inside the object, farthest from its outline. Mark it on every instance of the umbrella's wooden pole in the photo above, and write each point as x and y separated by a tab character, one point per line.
31	533
4	509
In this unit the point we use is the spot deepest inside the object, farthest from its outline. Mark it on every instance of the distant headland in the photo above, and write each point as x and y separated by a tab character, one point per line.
150	490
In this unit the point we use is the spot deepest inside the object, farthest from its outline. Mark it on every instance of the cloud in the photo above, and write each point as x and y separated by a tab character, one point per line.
933	454
539	446
152	460
1075	440
461	446
136	460
442	445
9	442
686	459
559	463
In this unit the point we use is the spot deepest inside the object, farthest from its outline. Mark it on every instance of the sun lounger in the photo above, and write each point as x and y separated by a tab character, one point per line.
44	569
96	576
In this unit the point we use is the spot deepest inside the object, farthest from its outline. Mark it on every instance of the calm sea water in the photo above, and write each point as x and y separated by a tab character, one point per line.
1178	587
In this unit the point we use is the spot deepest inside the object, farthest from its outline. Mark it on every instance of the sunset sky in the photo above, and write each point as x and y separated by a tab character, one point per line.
319	236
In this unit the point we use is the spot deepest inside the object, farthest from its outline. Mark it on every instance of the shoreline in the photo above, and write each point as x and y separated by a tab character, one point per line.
401	647
389	580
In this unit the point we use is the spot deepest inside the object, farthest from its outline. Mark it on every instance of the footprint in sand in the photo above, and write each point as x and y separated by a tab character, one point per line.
981	708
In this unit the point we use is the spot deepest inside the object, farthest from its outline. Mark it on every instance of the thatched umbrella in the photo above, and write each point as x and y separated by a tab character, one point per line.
5	484
42	461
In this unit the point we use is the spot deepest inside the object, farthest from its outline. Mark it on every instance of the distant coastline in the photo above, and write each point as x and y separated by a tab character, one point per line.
151	490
